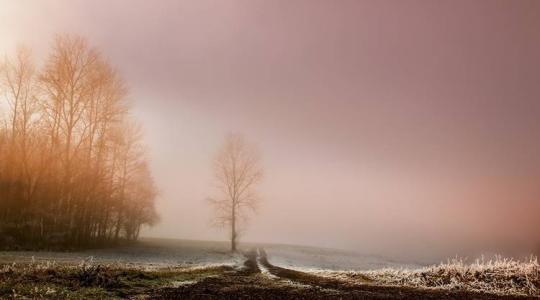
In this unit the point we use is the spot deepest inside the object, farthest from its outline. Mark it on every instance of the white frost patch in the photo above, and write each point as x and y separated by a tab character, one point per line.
296	284
237	260
176	284
310	259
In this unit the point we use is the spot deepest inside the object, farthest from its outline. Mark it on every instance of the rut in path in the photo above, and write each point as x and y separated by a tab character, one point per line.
245	283
303	277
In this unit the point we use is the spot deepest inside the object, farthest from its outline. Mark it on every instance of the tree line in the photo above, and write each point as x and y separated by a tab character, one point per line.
73	170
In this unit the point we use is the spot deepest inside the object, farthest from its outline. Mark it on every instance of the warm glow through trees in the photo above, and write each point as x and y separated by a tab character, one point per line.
73	171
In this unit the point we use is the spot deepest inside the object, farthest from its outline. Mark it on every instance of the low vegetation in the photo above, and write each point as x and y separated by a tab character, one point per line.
87	280
257	278
499	275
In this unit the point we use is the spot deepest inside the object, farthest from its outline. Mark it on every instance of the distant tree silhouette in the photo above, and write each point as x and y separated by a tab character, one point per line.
237	171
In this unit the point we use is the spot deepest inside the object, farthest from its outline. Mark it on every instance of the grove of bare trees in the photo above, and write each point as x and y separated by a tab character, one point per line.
237	171
73	171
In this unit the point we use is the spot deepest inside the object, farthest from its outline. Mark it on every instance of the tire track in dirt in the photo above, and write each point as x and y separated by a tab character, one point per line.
262	266
301	277
248	282
250	265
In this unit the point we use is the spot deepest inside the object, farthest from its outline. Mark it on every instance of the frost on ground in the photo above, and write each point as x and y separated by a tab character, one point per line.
499	275
87	280
311	259
191	267
149	252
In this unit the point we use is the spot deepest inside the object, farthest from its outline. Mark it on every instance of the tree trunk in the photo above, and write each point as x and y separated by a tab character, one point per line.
233	230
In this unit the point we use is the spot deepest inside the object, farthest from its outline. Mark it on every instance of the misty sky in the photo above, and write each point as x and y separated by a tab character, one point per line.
383	124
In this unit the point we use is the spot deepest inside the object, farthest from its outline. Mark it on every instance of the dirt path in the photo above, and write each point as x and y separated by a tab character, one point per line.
259	279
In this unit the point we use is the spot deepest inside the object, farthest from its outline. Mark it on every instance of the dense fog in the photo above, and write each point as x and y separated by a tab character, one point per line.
403	129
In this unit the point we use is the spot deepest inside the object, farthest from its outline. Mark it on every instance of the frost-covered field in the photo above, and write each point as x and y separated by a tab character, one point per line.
147	252
497	275
320	259
172	252
167	261
501	276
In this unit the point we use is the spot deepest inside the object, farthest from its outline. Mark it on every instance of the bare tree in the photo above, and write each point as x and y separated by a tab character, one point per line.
17	79
237	171
72	166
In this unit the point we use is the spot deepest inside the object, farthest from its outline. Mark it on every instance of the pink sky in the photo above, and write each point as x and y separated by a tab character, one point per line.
383	124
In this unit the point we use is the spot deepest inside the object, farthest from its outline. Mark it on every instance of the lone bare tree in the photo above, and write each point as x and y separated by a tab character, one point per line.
237	171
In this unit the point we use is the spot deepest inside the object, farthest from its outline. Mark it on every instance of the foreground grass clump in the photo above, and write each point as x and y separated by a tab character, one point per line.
499	275
83	281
